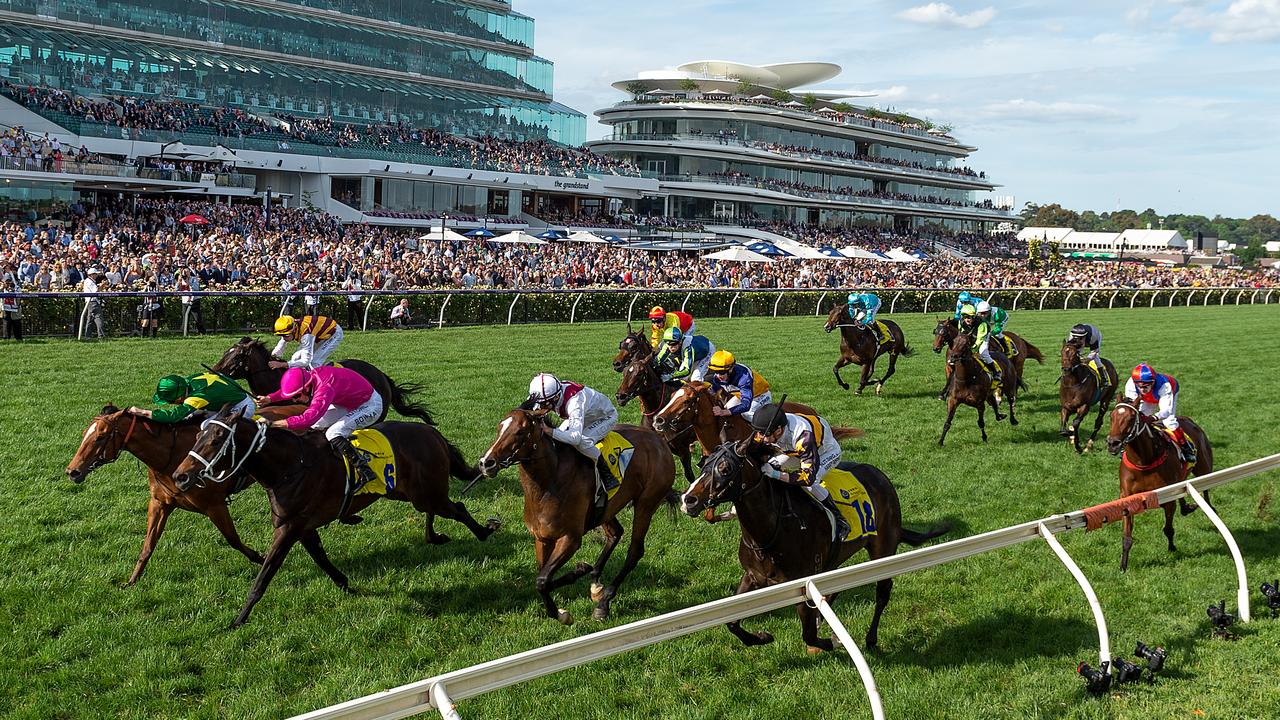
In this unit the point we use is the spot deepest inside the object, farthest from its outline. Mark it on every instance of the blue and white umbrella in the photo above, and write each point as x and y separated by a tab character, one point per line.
550	235
767	249
480	233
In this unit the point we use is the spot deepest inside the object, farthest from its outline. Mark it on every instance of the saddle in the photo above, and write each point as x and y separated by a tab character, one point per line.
378	453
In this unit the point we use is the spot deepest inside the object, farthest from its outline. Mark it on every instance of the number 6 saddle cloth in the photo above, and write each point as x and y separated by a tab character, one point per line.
376	449
854	502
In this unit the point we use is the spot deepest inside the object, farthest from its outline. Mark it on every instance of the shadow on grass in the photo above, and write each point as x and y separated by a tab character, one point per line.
1004	638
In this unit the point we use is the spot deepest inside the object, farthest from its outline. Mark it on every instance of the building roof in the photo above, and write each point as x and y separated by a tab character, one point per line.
1153	238
726	74
1043	233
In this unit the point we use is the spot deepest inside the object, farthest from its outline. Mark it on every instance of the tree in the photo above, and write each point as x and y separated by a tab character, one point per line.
1262	229
843	107
782	96
810	100
744	87
637	88
688	85
1122	220
1054	216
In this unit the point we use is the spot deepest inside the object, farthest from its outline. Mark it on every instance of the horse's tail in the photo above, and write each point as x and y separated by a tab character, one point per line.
1033	352
907	350
672	501
400	401
847	433
916	539
458	466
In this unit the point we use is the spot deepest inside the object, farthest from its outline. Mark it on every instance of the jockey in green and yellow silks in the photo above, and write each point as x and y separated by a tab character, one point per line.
972	323
996	317
180	396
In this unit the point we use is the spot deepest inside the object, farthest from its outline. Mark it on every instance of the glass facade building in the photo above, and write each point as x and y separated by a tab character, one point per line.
467	68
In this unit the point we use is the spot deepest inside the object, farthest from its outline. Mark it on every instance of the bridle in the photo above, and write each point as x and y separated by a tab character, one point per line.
662	388
533	450
1140	425
730	454
112	431
229	446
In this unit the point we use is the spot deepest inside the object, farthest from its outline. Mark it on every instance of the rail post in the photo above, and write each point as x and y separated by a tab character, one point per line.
364	323
1133	299
686	300
817	309
1242	593
926	302
512	308
1067	299
1173	294
440	320
84	318
775	304
837	627
1222	300
631	307
1112	302
733	302
1254	296
1154	294
443	704
1266	300
1104	645
1043	297
1015	300
573	311
894	302
1239	295
186	315
1088	304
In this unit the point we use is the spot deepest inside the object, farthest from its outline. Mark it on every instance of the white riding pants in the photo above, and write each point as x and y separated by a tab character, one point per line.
340	421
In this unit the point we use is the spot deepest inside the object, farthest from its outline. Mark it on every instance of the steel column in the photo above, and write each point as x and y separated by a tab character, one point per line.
837	627
1242	594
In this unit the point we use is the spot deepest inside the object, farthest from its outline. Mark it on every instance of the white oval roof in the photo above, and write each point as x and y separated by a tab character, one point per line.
783	76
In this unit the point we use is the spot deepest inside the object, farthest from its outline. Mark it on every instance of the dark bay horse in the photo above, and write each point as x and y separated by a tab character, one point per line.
634	346
305	482
1149	459
858	346
641	380
559	501
948	328
786	535
248	360
161	446
971	385
1078	390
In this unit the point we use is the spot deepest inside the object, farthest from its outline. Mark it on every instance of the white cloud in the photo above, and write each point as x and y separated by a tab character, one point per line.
1242	21
1021	109
942	14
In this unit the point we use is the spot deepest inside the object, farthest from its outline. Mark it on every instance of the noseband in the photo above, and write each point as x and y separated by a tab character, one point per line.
229	446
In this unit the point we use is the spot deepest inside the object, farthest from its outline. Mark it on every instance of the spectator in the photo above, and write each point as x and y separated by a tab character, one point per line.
400	315
11	311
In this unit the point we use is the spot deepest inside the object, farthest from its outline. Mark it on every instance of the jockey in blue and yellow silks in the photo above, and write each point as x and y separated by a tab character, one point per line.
750	391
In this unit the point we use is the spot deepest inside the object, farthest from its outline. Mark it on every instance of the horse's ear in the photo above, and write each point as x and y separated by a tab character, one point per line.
741	447
246	340
110	409
527	405
629	330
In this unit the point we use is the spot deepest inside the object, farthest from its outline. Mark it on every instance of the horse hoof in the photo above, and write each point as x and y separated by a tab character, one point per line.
1013	420
764	637
351	520
255	558
879	387
814	650
494	524
600	613
1088	446
597	592
582	568
564	616
1189	508
439	539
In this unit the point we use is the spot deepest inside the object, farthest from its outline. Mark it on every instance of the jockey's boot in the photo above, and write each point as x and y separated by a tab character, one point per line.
364	473
875	332
842	526
1186	447
997	381
604	475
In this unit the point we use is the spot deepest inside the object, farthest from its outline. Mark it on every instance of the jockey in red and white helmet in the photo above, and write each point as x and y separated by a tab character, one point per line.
588	415
1158	394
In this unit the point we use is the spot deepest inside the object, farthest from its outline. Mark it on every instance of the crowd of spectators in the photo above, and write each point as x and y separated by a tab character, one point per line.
794	187
21	150
798	151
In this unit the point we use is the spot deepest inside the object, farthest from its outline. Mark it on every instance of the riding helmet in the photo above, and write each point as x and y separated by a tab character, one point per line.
673	335
170	389
544	388
721	361
1142	373
657	313
768	419
284	324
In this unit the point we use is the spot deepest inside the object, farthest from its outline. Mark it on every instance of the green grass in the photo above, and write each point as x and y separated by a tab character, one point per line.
994	636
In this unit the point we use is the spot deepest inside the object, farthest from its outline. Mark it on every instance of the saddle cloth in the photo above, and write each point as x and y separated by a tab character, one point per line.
854	503
376	449
1004	342
617	453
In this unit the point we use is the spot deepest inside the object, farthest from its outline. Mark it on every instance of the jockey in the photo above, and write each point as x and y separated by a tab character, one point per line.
180	396
318	336
1159	396
662	320
588	416
683	357
996	317
971	322
1087	336
342	401
750	390
966	298
862	309
808	439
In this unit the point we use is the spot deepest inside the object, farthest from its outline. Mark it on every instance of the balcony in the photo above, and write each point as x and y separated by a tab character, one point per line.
126	172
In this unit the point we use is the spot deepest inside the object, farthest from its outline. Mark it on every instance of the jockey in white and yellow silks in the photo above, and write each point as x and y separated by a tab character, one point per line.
661	321
317	336
807	439
750	391
683	357
1158	394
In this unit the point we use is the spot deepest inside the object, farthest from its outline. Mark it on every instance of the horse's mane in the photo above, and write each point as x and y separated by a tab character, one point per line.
254	343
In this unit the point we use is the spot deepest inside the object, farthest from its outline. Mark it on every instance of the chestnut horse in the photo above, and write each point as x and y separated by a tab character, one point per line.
1078	389
306	482
858	346
948	328
786	535
970	384
248	360
641	380
559	501
633	347
1150	460
161	446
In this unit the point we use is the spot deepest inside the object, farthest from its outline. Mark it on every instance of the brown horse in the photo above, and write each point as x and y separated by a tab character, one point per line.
306	482
858	346
971	385
161	446
559	501
1150	460
948	328
641	380
633	347
786	534
249	359
1078	389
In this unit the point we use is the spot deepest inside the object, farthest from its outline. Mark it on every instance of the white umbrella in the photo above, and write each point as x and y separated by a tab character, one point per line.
900	255
760	97
437	234
715	92
584	236
517	236
827	110
804	252
793	103
860	254
657	91
737	254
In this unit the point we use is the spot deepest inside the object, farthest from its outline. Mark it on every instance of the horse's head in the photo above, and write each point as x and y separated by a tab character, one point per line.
834	317
637	377
213	455
102	443
520	434
1126	423
961	345
246	357
722	477
633	346
1070	356
681	410
943	333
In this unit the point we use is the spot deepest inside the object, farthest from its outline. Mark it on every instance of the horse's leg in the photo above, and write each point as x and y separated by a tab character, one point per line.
735	627
865	380
221	518
1064	412
995	404
1011	398
951	413
1126	543
157	513
563	549
844	360
883	590
888	373
1168	525
433	537
612	535
458	512
311	541
946	387
635	550
1186	508
1097	422
982	420
809	630
285	537
685	453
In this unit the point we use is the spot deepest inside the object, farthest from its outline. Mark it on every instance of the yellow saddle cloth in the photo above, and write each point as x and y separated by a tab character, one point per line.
1098	373
376	449
617	452
854	503
1006	345
883	330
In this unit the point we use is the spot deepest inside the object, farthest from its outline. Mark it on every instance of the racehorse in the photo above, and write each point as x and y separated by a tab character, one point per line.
559	501
161	446
248	360
634	346
948	328
641	380
1150	460
971	385
858	346
787	535
306	483
1078	389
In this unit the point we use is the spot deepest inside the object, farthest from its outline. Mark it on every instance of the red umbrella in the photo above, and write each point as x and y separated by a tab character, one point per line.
194	219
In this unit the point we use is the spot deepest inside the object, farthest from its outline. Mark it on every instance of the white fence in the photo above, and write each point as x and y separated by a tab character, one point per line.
442	691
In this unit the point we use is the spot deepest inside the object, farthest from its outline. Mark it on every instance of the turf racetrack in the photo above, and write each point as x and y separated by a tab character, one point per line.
995	636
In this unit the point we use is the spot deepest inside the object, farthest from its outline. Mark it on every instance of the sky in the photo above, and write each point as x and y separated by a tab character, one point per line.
1094	104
